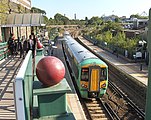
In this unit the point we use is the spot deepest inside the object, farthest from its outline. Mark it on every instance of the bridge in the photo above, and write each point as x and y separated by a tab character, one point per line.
62	26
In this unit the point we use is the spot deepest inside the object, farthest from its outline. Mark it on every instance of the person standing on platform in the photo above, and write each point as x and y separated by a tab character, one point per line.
15	47
20	47
34	44
30	43
11	44
25	46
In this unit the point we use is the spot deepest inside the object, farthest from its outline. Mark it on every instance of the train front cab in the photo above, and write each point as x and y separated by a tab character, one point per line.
93	81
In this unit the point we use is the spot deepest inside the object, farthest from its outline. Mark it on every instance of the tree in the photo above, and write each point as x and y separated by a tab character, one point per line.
46	21
138	16
52	22
60	19
95	21
112	26
117	19
37	10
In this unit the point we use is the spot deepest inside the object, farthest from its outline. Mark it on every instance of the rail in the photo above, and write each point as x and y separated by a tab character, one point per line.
133	106
3	50
110	112
23	89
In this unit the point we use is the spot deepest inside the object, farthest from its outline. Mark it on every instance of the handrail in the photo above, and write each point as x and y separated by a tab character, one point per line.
21	88
3	50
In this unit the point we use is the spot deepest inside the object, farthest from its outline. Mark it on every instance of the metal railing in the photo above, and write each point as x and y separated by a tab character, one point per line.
3	50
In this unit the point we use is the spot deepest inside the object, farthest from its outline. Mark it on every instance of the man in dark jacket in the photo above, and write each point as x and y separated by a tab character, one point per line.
11	44
20	47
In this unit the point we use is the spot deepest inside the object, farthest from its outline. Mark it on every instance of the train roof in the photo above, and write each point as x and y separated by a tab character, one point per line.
80	52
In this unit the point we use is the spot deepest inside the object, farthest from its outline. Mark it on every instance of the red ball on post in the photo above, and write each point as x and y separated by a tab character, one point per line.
50	70
39	45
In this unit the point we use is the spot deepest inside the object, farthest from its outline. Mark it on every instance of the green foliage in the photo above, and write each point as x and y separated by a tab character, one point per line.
95	21
52	22
138	16
112	26
37	10
45	19
117	20
53	32
61	20
112	34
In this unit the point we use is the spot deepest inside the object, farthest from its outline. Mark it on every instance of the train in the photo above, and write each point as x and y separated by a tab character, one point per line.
90	72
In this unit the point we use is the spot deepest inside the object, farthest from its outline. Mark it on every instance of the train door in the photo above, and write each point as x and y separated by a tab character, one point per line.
94	79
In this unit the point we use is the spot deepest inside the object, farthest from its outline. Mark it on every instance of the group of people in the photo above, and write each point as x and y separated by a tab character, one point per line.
22	45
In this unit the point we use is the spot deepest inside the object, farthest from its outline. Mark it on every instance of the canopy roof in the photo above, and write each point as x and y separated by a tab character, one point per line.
22	20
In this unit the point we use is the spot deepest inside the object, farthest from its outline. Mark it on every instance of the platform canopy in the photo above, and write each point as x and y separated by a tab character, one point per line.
23	20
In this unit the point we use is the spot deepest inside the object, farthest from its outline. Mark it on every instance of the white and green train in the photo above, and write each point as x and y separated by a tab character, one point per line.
90	72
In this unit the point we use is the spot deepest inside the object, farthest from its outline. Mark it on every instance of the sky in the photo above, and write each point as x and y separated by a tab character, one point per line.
90	8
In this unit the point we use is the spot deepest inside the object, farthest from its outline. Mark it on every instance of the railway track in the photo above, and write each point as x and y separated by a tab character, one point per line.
122	105
95	109
98	109
128	87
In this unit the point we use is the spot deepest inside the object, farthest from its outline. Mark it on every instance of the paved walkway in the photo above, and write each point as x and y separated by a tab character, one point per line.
8	71
130	68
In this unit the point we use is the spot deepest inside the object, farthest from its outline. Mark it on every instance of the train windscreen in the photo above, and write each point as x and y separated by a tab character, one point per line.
85	74
103	74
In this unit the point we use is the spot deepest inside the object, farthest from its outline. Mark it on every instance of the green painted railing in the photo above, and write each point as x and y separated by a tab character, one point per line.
35	102
23	89
3	50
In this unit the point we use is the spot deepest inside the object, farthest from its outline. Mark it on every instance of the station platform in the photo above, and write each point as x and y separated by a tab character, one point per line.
8	70
72	97
123	64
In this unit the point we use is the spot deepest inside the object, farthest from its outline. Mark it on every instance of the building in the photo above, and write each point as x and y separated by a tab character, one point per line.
138	23
9	7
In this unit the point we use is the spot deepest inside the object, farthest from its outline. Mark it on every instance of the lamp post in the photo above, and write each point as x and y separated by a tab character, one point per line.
148	100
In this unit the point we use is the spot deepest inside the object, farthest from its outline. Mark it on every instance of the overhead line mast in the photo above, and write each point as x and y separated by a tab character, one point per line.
148	100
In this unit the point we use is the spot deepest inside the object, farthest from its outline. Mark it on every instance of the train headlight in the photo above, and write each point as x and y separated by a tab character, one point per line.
103	85
84	86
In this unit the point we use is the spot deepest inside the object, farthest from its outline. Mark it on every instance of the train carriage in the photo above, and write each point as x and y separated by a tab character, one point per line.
91	73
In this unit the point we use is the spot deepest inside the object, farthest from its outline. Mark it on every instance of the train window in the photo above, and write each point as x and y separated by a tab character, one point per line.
103	74
84	74
75	68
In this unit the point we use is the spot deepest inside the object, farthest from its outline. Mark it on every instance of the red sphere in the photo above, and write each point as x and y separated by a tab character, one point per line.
50	70
39	45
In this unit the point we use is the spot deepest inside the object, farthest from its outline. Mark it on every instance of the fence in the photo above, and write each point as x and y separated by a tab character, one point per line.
111	48
3	50
23	89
